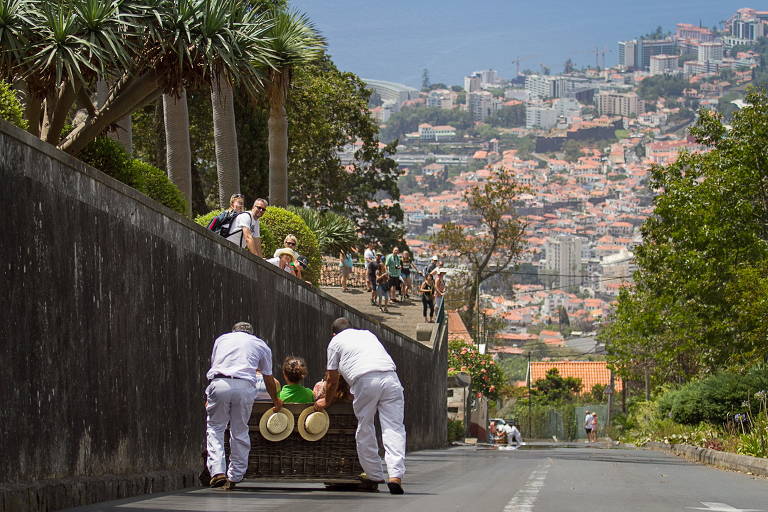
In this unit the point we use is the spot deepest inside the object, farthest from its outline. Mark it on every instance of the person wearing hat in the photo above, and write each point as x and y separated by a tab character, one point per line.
284	258
360	358
235	359
432	266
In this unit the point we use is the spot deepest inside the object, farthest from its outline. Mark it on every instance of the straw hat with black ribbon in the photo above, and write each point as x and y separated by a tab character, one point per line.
276	426
313	425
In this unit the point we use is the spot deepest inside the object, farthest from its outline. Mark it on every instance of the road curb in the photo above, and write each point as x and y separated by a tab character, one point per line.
733	461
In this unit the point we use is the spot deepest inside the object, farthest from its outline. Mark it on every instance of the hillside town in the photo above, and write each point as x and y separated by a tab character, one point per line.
582	142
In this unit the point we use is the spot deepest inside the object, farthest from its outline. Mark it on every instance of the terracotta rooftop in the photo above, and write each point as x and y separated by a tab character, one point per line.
590	372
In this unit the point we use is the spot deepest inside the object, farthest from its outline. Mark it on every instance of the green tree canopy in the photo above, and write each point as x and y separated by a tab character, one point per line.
701	294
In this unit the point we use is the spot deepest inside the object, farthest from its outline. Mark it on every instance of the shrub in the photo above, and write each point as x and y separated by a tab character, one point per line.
455	430
487	377
334	232
155	183
713	399
278	222
11	108
110	157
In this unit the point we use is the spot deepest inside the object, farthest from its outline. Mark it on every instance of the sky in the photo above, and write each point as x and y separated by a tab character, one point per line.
396	40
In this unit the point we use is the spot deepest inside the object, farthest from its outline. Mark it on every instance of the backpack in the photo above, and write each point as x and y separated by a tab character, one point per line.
222	222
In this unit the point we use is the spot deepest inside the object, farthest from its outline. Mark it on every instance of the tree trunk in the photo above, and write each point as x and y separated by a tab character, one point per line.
225	139
278	141
178	150
123	132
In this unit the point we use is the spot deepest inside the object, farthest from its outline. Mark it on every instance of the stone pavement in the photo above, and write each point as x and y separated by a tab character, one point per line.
402	317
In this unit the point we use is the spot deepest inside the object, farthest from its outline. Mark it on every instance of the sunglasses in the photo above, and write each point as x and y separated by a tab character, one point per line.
290	243
259	208
237	196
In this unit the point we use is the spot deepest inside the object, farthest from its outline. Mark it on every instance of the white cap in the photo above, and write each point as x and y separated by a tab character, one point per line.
434	258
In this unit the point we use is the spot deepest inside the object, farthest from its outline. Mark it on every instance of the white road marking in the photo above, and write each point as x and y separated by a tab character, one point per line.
525	498
723	507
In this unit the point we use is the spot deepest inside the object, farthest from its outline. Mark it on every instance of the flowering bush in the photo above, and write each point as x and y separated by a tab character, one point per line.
487	377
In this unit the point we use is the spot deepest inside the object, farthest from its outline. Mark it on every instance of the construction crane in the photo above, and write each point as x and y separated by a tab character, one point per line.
517	62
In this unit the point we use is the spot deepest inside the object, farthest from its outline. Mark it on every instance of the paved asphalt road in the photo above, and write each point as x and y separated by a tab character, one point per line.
468	479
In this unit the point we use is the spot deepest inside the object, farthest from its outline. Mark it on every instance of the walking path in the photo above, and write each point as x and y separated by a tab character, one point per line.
402	317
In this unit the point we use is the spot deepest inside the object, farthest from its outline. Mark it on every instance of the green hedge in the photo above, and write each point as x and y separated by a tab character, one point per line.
110	157
11	108
713	399
274	225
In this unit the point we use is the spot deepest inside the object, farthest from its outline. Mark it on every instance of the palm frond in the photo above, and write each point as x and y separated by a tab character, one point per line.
334	232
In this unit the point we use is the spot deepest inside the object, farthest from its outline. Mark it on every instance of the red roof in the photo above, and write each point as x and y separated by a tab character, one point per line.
590	372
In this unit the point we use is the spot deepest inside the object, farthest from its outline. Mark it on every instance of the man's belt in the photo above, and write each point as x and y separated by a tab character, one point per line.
222	376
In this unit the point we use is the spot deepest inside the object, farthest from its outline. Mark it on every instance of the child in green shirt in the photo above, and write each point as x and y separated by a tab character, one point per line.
294	371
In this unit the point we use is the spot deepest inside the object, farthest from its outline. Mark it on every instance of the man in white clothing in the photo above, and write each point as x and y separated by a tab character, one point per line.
245	230
361	359
235	359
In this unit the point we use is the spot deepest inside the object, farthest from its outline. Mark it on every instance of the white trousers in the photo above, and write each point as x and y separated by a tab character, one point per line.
229	403
380	392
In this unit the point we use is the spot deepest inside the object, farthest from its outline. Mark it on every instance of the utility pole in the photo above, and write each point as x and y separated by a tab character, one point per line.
530	405
610	401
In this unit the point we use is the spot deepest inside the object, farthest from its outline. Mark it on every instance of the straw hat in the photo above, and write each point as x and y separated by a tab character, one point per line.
312	424
276	426
285	250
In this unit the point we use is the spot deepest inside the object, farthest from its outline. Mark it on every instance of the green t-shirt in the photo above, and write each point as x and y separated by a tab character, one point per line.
296	394
392	261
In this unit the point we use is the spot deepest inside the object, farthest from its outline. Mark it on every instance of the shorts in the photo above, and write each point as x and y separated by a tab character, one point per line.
588	430
381	290
394	282
345	270
406	273
372	281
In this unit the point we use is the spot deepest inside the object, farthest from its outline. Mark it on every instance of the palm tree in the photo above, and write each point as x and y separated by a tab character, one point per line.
178	151
225	140
59	50
294	41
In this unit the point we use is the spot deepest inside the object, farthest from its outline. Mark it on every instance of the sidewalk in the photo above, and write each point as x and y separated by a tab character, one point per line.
401	316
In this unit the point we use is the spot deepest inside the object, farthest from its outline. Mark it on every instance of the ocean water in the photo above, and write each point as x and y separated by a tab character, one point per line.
397	39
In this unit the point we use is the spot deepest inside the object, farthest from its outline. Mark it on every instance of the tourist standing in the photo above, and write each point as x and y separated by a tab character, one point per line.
432	266
393	265
382	287
588	426
406	266
235	359
594	427
245	229
369	255
373	267
427	290
440	287
345	266
360	358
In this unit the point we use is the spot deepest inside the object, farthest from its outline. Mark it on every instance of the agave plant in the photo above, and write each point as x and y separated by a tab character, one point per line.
334	232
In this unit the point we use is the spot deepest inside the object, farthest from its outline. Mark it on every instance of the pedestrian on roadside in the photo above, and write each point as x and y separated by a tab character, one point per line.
382	287
406	265
345	266
588	426
235	359
245	229
492	433
432	266
359	357
594	427
512	433
440	287
393	265
427	290
369	255
373	267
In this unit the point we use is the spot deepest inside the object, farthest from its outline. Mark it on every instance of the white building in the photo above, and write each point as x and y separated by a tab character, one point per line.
441	98
544	86
710	51
472	83
391	92
664	65
539	115
429	133
482	105
563	258
619	104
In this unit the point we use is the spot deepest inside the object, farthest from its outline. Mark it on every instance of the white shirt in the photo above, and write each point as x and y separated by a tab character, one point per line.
239	354
246	220
369	255
355	352
588	421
